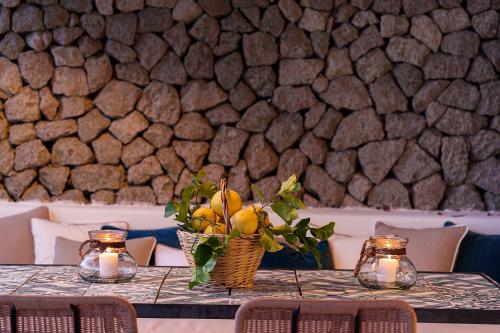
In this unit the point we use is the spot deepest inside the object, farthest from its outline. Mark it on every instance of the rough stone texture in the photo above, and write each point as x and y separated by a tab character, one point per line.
358	128
458	122
260	157
463	197
454	159
318	182
424	29
285	130
199	95
389	194
359	186
407	50
32	154
414	165
226	145
314	148
54	179
293	99
292	162
36	68
257	117
94	177
71	151
23	107
378	158
53	130
21	133
387	96
70	82
341	165
160	103
192	152
347	92
428	193
485	175
460	94
127	128
136	151
406	125
152	91
17	183
117	98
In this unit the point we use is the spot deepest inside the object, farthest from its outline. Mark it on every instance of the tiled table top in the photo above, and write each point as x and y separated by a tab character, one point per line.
163	292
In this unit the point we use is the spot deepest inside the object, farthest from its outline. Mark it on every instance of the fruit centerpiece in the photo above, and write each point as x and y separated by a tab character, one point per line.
224	243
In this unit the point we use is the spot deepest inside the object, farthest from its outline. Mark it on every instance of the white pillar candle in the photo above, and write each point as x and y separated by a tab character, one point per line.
108	264
387	268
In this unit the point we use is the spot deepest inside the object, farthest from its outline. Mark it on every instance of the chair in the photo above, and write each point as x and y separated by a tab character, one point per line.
48	314
329	316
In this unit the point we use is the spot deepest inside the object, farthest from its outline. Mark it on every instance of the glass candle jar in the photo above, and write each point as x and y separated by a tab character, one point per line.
107	259
384	264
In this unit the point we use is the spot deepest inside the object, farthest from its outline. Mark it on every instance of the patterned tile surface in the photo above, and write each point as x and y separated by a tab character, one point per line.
13	277
331	284
55	280
268	283
142	289
169	285
175	290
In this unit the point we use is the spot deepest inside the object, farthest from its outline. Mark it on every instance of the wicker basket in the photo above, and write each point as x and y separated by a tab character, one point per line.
236	267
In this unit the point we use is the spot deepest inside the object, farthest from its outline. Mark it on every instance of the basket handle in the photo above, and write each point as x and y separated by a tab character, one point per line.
223	189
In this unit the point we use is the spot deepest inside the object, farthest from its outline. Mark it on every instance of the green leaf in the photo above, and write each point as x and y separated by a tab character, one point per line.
301	228
287	213
291	239
312	244
233	234
324	232
282	230
258	192
202	254
269	243
171	208
293	201
199	176
288	185
207	190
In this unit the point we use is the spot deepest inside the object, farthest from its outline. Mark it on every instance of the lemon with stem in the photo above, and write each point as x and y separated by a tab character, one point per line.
233	203
202	218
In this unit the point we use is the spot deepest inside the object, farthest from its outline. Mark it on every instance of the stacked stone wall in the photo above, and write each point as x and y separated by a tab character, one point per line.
383	103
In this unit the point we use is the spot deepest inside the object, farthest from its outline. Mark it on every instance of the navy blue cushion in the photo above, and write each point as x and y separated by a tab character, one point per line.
288	258
284	259
479	253
165	236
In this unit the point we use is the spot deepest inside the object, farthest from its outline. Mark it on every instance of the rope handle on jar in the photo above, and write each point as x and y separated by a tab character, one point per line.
91	242
366	252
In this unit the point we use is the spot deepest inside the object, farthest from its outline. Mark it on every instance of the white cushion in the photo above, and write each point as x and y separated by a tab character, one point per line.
45	233
169	256
345	250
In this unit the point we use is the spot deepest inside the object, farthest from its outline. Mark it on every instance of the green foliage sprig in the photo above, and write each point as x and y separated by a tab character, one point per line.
298	234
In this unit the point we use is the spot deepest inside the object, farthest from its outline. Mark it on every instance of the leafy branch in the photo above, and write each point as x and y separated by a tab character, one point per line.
299	235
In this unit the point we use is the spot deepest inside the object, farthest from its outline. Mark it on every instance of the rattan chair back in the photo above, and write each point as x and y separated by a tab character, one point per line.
325	316
48	314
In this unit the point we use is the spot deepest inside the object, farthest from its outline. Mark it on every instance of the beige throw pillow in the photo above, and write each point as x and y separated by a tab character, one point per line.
345	250
66	250
17	245
430	249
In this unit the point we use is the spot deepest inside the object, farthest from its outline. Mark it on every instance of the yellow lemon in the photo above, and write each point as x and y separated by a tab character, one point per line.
257	209
215	229
202	218
233	203
245	221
